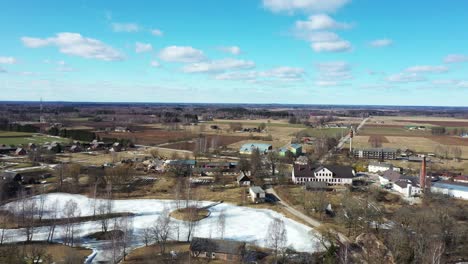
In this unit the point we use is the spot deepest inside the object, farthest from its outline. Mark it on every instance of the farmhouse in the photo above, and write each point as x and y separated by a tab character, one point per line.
257	194
295	149
406	185
222	249
376	153
332	175
243	179
248	148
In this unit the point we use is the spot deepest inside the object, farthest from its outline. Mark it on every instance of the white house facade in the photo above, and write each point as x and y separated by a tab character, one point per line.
333	175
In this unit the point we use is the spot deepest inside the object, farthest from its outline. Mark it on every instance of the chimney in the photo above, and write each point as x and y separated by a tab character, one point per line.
422	175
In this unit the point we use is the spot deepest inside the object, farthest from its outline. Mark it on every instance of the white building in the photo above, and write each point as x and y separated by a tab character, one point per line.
379	167
407	187
257	194
333	175
452	189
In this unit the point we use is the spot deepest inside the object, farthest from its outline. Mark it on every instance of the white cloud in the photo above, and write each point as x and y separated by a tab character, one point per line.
8	60
181	54
405	78
77	45
451	83
333	73
245	76
284	73
155	64
218	66
125	27
320	22
143	47
234	50
331	46
427	69
455	58
320	36
2	70
381	43
157	32
326	83
291	6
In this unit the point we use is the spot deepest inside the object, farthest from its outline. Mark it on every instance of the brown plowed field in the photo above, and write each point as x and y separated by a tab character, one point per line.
380	138
448	140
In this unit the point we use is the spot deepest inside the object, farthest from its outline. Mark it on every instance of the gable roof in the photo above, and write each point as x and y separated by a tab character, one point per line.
257	189
391	175
217	246
309	170
242	177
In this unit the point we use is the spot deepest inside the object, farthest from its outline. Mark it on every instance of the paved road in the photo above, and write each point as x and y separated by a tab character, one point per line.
342	141
311	221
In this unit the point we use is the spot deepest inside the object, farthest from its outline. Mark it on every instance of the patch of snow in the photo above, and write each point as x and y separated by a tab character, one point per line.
242	223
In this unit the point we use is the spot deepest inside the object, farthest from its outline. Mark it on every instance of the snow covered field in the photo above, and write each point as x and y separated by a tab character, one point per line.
242	223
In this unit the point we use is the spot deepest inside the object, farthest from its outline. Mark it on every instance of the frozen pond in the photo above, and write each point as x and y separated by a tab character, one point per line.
241	223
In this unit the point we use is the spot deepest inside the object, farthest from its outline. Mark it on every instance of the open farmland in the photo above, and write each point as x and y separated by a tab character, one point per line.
211	141
21	138
150	137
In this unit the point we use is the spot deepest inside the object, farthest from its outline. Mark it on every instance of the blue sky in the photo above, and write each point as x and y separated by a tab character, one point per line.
240	51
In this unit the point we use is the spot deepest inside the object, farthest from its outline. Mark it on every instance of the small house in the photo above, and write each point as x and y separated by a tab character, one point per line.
257	194
222	249
20	152
295	149
243	179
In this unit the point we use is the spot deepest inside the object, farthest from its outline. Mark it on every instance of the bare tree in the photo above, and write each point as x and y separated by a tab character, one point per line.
147	235
276	237
71	212
126	226
162	229
53	215
26	216
222	223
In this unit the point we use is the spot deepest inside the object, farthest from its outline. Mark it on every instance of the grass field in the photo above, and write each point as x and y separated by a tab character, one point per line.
60	253
20	138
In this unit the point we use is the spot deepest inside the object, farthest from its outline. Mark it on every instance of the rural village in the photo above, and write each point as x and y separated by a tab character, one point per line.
104	183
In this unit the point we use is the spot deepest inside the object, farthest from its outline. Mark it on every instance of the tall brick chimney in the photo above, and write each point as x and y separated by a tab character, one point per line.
422	175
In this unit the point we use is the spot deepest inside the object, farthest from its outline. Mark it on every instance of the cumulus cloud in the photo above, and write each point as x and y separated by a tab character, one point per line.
125	27
181	54
455	58
381	43
76	45
320	22
316	31
157	32
155	64
8	60
143	47
331	46
291	6
218	66
427	69
405	78
234	50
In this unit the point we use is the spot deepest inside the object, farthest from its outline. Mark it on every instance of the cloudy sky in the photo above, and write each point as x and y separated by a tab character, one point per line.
236	51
